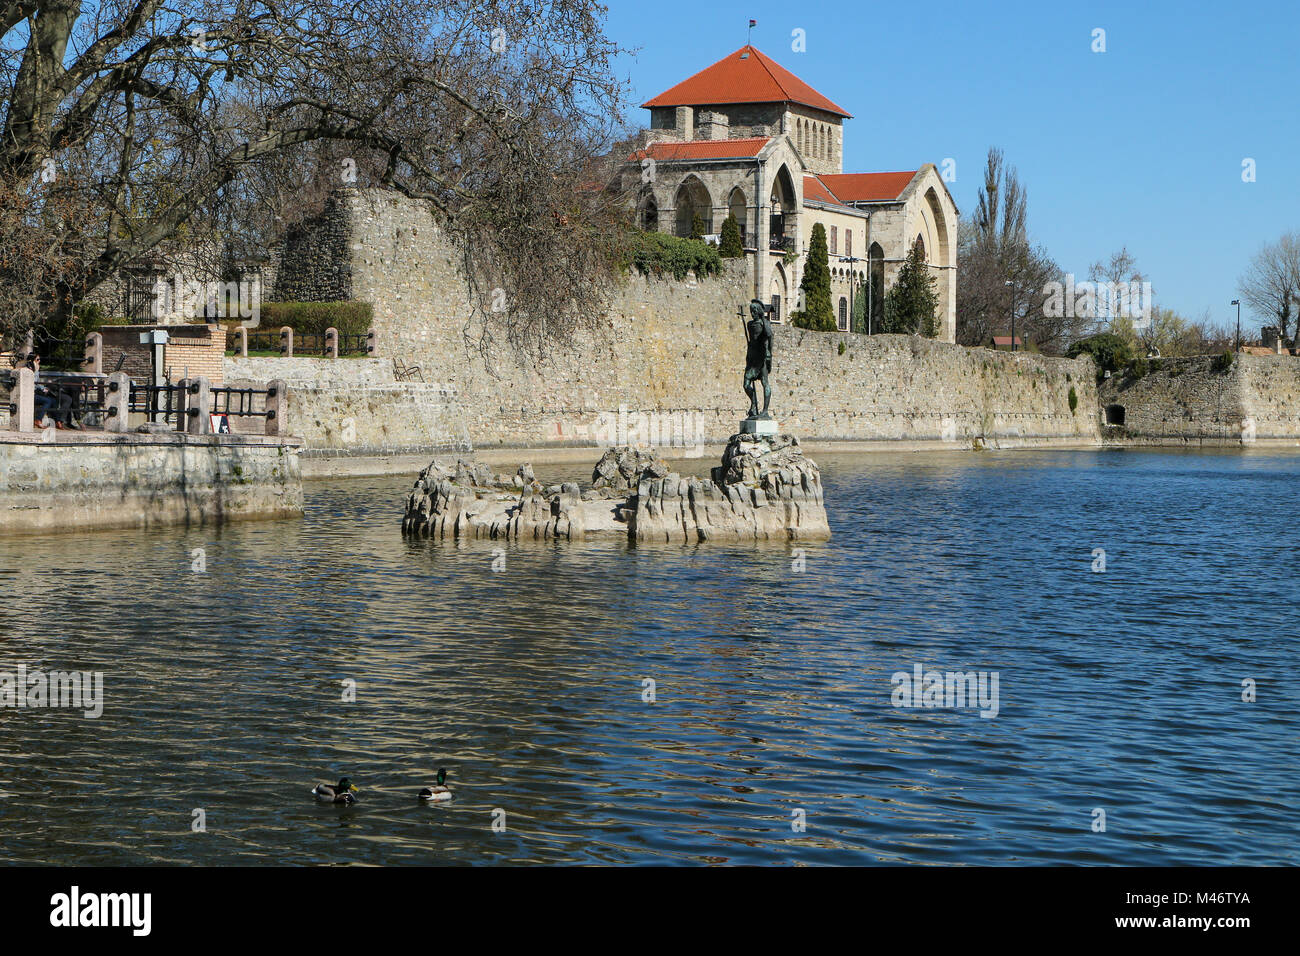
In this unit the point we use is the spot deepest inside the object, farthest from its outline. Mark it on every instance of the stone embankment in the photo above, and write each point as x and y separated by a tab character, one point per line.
765	489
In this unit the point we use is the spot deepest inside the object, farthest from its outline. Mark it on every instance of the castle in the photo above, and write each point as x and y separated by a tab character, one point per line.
745	137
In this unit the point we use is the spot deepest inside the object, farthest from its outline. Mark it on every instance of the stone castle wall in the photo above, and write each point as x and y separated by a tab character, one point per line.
1257	397
313	262
86	480
664	352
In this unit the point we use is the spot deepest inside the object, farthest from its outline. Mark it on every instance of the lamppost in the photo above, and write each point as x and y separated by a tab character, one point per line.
1237	303
1012	286
851	260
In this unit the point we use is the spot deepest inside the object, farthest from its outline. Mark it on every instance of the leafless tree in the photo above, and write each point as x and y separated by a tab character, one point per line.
1000	273
1114	278
147	117
1271	284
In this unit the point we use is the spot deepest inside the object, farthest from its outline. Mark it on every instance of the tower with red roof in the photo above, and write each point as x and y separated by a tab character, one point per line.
747	138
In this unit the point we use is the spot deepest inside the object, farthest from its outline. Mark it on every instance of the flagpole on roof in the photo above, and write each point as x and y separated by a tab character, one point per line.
749	33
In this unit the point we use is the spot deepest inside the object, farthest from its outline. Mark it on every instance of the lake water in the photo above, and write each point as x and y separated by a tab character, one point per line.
1119	691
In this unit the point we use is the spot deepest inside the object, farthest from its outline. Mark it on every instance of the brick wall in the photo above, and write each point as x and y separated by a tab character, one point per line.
200	349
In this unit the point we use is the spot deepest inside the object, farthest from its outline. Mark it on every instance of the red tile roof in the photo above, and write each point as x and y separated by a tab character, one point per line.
753	79
867	187
815	190
703	149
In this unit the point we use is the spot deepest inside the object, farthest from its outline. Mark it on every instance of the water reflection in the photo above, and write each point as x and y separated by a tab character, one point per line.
1118	690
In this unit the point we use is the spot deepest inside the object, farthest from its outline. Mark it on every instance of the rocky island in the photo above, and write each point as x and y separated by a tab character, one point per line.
764	489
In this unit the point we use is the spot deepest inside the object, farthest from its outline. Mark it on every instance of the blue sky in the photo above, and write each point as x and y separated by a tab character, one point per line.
1140	146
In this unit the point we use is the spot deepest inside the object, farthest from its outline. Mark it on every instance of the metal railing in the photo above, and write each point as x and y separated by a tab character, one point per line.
242	402
158	403
69	401
257	342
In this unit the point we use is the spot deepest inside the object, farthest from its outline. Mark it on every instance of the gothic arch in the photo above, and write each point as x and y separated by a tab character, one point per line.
692	200
944	253
784	208
738	207
779	293
876	274
648	215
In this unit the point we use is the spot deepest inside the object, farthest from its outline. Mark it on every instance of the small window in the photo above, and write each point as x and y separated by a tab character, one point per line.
848	242
776	308
844	314
833	241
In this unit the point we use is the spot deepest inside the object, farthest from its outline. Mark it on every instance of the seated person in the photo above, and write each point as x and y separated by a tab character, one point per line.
58	405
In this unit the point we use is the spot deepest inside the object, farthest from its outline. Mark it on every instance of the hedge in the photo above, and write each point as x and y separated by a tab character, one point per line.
313	318
656	253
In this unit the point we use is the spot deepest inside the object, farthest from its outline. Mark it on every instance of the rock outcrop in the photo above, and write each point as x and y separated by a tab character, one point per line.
465	500
765	489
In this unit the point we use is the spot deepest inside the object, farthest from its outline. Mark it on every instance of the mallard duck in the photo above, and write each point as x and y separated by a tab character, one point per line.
339	793
437	792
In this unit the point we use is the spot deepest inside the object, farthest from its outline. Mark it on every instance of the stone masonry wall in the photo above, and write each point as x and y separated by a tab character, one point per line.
313	263
662	348
1257	397
356	406
84	481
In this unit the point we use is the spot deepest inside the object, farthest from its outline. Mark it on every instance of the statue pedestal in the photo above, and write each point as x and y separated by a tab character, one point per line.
759	426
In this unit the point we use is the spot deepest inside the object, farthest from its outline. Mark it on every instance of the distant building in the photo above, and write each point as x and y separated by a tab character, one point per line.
746	137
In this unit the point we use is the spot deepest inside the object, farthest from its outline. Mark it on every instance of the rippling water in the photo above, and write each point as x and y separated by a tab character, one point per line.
1118	690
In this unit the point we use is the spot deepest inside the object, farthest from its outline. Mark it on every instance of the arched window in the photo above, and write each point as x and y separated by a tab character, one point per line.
783	221
693	202
834	241
843	321
650	215
738	209
778	292
876	271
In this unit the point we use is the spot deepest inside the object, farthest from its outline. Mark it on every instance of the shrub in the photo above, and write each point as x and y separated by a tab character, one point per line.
60	343
731	247
1110	352
1139	367
1074	400
657	253
313	318
817	314
1222	362
911	303
842	349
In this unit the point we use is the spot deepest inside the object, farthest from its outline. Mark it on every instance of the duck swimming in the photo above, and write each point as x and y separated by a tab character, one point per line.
437	792
339	793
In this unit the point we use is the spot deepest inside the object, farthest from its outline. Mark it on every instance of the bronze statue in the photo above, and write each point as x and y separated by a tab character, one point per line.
758	357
